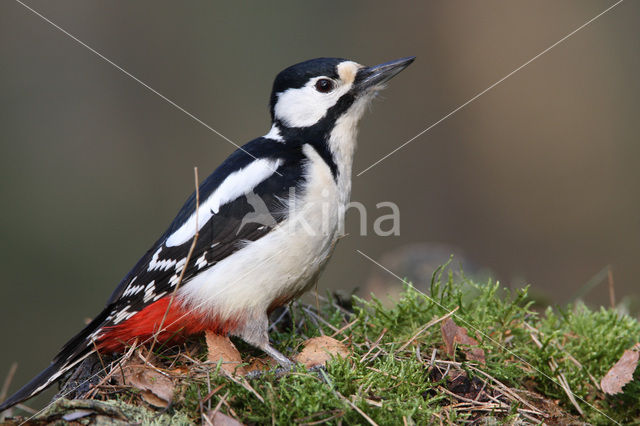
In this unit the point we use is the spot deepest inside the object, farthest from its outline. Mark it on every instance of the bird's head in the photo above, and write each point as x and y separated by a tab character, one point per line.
310	97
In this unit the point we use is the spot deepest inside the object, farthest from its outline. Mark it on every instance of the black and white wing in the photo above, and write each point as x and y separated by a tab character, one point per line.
242	200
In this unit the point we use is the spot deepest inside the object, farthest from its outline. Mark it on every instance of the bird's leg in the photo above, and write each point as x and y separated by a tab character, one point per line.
281	359
255	332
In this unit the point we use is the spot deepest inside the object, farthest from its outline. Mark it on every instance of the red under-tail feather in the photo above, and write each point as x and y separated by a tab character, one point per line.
178	324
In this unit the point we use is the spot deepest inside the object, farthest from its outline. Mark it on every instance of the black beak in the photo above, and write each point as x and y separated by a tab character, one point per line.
379	74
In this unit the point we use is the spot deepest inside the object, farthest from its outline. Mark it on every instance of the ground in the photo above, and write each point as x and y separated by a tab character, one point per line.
451	351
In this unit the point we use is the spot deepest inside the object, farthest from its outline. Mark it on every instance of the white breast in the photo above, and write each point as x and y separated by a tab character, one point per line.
284	262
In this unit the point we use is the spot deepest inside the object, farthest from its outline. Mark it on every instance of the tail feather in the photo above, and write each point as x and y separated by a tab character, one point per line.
42	381
72	353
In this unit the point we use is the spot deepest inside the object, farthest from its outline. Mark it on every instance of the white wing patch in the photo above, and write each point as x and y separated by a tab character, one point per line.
160	265
235	185
149	291
123	314
202	261
132	290
174	280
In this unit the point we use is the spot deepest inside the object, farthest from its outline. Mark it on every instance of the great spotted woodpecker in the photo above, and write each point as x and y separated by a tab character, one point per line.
298	174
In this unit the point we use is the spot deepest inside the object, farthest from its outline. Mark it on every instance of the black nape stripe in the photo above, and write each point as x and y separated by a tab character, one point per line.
313	136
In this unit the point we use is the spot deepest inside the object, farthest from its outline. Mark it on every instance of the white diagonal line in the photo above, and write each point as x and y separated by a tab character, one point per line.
467	323
133	77
490	87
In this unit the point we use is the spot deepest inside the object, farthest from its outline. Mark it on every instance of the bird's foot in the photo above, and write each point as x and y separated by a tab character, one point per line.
284	362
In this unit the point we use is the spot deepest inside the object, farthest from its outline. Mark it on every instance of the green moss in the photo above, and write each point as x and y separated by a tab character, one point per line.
391	381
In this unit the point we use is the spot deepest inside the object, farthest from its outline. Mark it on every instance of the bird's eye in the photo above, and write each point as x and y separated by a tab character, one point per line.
324	85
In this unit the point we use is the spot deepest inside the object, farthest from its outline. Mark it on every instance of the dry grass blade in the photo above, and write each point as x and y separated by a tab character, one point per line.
562	380
212	414
345	328
245	384
568	355
156	387
612	290
358	410
8	380
117	366
506	390
375	345
427	326
186	263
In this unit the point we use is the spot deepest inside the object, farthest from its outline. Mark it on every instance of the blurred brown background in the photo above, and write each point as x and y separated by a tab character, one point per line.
536	180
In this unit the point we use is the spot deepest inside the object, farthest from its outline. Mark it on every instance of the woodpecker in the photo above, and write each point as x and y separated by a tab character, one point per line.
265	223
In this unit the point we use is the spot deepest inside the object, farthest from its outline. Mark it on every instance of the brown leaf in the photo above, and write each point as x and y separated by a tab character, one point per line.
221	348
157	389
452	334
622	371
220	419
261	364
318	350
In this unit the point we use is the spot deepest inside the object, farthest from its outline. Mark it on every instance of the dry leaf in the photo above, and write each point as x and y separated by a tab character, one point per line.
318	350
221	348
452	334
157	389
261	364
622	371
220	419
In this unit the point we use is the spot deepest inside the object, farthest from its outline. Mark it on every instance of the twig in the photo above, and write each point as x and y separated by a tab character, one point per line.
346	327
186	263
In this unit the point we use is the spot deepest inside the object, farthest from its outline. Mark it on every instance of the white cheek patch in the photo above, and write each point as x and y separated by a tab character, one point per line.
305	106
235	185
